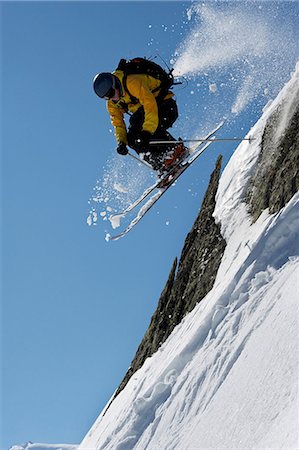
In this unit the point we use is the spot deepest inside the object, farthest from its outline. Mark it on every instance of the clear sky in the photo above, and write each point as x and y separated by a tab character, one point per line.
74	306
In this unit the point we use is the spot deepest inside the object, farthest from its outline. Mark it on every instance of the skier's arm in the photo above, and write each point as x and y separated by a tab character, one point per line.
138	87
118	122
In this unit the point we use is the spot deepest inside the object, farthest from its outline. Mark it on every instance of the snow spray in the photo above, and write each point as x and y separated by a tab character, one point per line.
248	48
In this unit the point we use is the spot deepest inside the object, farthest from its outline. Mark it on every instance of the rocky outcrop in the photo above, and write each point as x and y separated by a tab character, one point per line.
188	283
201	255
276	179
157	330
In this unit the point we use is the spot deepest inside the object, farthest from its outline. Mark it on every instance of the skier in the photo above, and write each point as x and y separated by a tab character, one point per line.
152	110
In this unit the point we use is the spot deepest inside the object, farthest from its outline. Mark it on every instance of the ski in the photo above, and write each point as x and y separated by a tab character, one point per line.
155	197
160	181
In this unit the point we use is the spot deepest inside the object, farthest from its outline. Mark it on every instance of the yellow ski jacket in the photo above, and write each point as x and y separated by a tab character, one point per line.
141	87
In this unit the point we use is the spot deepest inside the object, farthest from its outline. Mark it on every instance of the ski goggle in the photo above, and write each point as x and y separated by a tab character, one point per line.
112	91
110	94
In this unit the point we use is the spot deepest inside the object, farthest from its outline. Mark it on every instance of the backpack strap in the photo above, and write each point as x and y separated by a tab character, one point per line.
163	91
163	88
133	99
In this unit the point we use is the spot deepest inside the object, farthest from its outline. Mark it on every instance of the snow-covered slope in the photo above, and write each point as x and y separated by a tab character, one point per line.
227	377
31	446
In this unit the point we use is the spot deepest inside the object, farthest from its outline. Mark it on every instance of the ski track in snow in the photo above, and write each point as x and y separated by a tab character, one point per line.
227	375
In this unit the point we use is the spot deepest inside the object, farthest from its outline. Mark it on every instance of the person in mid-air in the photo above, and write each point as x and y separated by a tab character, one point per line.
152	110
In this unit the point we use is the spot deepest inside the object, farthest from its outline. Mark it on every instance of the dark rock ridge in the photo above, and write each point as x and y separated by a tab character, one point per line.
188	283
276	179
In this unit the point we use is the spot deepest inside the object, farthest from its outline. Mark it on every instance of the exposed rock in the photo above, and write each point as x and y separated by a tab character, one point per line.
201	255
277	176
199	262
157	330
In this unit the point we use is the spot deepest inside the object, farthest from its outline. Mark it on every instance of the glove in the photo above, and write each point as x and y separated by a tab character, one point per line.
122	149
142	140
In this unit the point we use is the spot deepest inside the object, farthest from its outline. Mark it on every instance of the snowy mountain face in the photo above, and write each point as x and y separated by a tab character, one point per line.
31	446
224	372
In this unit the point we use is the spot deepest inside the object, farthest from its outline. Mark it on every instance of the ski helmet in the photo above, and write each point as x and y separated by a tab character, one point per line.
104	85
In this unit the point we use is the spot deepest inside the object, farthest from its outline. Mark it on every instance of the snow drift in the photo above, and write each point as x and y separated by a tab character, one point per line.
227	376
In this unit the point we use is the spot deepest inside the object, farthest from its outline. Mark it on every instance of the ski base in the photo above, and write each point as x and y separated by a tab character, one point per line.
161	181
155	197
162	185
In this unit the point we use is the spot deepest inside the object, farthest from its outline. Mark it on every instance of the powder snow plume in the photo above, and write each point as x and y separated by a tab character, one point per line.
121	182
250	47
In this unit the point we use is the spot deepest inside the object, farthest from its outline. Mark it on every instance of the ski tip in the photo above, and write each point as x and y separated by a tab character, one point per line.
108	237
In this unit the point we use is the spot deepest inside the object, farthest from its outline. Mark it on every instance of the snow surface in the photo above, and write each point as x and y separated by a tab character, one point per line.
31	446
227	376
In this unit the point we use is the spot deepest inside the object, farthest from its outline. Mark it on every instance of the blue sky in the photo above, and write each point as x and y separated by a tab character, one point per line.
74	306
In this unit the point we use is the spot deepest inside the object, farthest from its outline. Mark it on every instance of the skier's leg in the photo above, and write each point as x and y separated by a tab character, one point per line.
135	126
168	153
153	156
168	113
157	155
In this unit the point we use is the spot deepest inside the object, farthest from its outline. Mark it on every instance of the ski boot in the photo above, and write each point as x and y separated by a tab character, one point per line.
178	154
172	162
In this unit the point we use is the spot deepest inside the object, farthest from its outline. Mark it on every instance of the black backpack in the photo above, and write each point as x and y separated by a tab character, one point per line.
145	66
